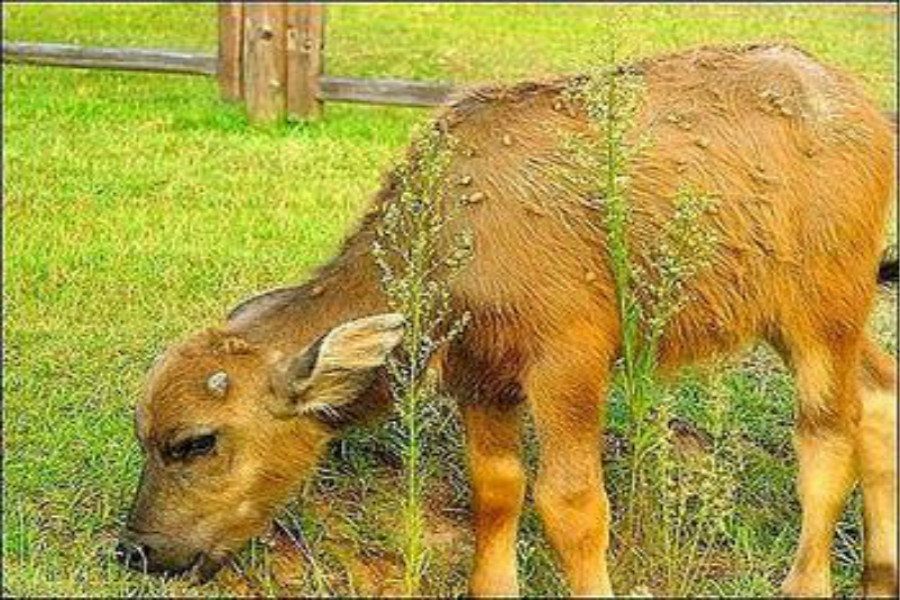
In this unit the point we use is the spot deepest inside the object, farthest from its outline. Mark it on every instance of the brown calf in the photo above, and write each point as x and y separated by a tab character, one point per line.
235	418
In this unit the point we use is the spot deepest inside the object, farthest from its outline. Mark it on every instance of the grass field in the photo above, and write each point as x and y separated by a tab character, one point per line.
139	208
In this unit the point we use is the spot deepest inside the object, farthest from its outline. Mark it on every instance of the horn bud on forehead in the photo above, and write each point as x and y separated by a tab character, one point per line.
218	383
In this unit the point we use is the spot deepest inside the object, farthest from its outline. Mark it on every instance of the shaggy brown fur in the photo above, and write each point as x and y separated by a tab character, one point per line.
803	165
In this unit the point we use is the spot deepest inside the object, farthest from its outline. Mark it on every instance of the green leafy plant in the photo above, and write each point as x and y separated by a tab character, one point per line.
417	267
673	508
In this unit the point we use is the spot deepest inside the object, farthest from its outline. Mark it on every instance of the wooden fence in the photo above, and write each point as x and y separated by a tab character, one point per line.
270	57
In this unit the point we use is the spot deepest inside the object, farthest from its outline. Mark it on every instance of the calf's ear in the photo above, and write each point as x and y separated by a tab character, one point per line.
335	369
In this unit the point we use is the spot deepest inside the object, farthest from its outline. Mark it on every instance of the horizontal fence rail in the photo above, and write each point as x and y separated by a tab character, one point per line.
383	91
128	59
333	89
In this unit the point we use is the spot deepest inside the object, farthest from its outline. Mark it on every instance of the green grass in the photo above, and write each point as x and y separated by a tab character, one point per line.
139	208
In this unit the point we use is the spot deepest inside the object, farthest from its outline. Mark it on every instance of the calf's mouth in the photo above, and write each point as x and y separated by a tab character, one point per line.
133	553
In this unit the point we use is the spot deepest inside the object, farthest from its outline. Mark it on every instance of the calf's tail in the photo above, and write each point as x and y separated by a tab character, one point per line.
888	273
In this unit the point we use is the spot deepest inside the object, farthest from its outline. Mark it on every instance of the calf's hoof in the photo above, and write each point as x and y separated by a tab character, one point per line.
501	587
806	587
880	581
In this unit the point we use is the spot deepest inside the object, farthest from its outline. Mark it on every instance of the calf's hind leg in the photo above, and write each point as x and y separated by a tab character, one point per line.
566	392
825	439
877	453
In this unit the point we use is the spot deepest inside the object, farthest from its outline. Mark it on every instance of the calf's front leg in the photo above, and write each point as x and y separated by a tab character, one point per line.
493	448
566	392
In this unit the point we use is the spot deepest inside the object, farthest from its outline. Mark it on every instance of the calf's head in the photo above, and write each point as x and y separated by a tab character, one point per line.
229	430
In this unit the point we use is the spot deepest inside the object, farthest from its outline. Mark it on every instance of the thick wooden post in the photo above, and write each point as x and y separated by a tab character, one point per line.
230	68
264	61
304	42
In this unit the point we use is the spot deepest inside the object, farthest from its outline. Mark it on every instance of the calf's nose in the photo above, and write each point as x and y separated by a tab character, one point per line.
133	555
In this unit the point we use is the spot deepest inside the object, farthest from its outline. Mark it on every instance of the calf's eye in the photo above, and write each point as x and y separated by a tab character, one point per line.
192	447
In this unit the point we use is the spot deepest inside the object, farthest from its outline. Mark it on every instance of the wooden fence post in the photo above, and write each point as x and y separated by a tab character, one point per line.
264	61
304	42
231	50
